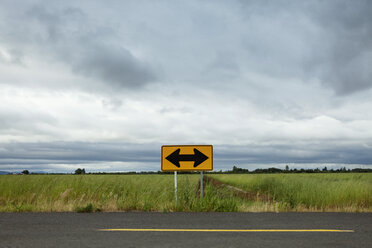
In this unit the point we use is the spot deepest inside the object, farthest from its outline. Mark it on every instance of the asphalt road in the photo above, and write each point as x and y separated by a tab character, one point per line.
82	230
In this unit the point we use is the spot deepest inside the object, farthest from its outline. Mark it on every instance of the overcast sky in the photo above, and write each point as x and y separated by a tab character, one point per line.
103	84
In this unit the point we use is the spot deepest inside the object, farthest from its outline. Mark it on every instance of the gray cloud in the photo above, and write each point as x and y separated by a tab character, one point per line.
224	66
11	57
43	155
344	57
91	50
78	152
88	50
329	41
18	122
67	156
325	41
113	65
316	153
264	81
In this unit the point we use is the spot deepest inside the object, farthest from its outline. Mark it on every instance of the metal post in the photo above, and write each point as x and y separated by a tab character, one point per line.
201	185
175	185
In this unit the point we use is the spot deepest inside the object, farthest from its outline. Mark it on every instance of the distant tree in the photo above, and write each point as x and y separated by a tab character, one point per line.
79	171
239	170
286	168
26	172
325	169
274	170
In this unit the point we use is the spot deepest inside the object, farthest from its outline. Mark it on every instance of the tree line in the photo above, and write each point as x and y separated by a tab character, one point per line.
237	170
234	170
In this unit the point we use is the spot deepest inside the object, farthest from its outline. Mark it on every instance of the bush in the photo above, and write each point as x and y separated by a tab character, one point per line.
87	209
79	171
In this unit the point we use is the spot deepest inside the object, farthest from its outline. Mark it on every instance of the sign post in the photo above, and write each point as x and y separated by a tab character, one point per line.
201	185
187	158
175	185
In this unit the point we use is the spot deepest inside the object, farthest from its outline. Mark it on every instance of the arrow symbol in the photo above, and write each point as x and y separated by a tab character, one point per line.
175	157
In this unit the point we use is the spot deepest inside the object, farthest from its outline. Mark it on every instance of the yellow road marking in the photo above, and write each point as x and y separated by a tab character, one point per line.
222	230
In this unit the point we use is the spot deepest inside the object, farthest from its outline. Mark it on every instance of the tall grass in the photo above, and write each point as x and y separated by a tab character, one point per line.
309	192
88	193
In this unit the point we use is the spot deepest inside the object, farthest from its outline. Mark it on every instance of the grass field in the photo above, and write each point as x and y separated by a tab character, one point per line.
349	192
88	193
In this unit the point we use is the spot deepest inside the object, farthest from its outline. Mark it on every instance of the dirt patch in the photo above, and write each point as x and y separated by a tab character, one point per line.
236	191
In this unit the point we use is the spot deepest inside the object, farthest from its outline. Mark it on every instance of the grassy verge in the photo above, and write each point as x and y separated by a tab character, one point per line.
305	192
92	193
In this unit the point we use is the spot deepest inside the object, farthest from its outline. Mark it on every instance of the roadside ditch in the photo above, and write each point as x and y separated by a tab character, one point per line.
237	192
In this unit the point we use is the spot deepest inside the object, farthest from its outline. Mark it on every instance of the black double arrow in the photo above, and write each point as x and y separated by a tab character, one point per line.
175	157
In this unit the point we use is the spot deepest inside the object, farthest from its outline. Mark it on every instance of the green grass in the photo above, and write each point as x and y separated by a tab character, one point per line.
91	193
349	192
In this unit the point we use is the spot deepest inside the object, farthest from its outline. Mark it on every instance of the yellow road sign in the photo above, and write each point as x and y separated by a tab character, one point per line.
187	158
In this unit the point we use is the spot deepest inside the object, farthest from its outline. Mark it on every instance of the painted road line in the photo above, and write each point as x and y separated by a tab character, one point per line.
222	230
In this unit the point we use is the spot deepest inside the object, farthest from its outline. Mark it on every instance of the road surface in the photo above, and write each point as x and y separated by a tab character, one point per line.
179	230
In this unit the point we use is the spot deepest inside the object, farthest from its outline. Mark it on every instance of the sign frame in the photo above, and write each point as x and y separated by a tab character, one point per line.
180	169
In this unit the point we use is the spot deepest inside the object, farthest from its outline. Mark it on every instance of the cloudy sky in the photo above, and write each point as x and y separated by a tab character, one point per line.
103	84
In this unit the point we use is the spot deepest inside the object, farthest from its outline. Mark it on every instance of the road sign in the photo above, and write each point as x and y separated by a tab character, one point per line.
187	158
